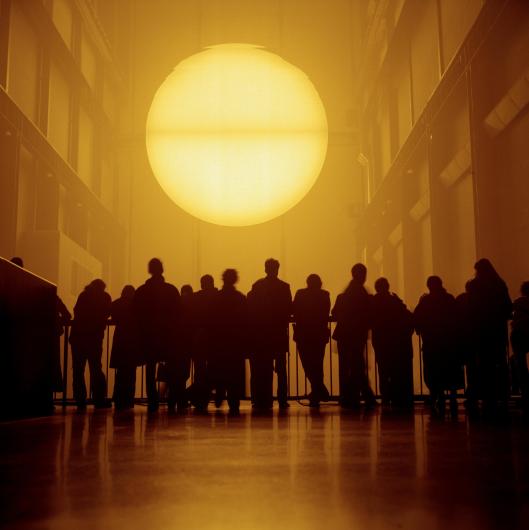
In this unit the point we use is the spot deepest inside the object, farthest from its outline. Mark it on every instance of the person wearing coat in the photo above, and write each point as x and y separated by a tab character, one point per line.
490	309
124	358
203	344
468	349
91	313
310	310
229	333
352	312
270	306
156	308
435	319
391	336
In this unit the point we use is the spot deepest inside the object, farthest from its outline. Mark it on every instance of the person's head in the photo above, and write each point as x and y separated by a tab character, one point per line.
382	286
434	284
524	289
128	292
484	269
230	277
314	281
207	282
155	267
186	290
97	285
272	267
359	273
17	261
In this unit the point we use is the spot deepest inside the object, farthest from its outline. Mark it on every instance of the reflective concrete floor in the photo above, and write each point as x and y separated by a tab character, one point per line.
297	470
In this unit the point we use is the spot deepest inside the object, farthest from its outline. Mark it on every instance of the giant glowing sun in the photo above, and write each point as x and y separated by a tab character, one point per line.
236	135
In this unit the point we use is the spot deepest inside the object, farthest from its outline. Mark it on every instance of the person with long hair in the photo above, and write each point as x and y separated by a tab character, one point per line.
435	320
227	364
490	309
124	356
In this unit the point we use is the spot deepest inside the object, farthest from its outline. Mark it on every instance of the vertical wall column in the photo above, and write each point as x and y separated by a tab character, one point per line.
8	188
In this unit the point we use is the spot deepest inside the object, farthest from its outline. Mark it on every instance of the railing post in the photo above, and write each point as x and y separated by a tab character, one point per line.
297	374
376	377
108	359
288	361
304	373
329	329
420	366
366	358
142	377
65	364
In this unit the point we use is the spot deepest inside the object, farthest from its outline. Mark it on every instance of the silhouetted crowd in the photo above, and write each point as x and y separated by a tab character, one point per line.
216	330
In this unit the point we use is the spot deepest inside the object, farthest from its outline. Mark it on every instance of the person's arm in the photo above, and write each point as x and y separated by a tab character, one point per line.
337	308
295	306
64	314
326	305
77	308
288	302
417	317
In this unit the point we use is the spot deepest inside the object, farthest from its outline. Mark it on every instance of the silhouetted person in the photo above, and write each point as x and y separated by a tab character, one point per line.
230	337
270	303
156	311
310	309
490	309
520	341
203	347
391	334
352	311
91	313
17	261
435	320
179	366
125	354
468	348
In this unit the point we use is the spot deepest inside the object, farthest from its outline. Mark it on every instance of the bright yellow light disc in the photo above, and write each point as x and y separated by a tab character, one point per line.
236	135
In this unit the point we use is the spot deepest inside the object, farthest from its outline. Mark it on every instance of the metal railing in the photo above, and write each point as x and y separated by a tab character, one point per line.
297	382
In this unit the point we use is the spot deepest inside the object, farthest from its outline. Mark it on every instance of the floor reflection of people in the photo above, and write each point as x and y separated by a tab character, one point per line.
468	470
86	461
399	451
31	464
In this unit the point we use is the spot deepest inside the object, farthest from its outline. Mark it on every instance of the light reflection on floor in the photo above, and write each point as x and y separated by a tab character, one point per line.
302	470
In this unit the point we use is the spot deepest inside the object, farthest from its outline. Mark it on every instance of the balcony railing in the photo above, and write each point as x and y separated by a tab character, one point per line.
298	384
